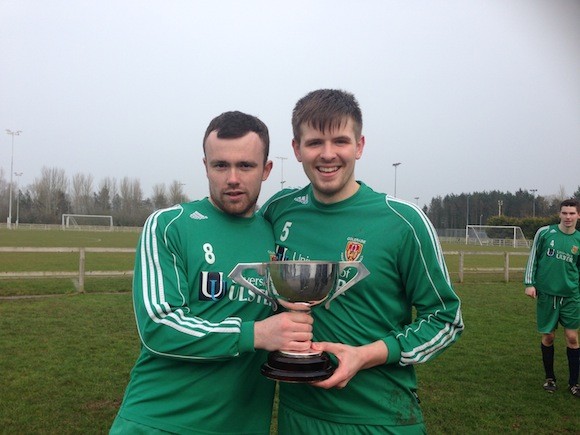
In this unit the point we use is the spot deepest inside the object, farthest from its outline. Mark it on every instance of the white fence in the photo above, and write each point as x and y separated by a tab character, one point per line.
506	269
80	275
82	272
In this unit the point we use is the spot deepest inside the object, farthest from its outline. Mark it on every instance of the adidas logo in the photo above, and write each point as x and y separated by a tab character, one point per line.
302	199
197	215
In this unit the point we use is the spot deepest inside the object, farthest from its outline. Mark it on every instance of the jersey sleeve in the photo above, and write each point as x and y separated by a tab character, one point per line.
438	322
165	318
532	264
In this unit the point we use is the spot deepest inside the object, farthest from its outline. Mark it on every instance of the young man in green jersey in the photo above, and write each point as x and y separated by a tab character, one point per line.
552	278
199	367
371	329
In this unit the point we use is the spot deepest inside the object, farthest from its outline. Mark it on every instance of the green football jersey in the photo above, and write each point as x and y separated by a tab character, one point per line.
198	372
398	245
554	262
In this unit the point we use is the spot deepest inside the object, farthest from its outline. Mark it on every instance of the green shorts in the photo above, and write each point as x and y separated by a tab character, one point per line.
291	422
552	310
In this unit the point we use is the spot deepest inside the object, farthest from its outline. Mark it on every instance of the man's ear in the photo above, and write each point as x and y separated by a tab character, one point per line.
267	169
296	148
359	147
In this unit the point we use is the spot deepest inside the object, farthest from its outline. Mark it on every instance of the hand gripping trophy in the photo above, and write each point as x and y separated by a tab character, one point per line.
306	283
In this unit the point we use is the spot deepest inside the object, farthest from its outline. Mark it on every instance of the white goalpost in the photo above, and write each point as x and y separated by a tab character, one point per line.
86	221
498	235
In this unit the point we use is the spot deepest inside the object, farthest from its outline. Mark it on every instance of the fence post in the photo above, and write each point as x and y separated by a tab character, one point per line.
461	254
506	265
81	270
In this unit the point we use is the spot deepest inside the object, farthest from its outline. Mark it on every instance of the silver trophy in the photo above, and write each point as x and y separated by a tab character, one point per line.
304	283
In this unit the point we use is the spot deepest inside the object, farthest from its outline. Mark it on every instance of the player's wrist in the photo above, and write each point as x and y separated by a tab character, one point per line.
247	337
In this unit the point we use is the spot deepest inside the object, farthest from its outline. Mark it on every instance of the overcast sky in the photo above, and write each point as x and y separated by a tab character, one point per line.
468	95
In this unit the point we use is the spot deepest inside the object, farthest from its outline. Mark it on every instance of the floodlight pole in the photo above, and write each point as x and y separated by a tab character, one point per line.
282	181
18	174
417	200
533	201
396	165
499	204
9	219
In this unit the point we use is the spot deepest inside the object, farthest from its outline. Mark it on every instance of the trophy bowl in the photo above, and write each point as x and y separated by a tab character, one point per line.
309	282
306	284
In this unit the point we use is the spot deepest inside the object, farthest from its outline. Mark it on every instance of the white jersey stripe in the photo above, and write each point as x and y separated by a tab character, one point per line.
154	291
450	331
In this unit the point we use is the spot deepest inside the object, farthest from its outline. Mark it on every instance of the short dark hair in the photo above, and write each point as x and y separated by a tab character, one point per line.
571	202
326	109
235	124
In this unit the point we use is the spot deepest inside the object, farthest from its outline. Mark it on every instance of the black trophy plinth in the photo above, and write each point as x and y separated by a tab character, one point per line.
297	368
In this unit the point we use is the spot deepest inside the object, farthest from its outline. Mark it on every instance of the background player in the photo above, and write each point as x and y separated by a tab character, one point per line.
552	278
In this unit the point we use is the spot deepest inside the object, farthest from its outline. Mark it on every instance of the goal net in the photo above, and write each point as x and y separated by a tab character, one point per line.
87	222
495	235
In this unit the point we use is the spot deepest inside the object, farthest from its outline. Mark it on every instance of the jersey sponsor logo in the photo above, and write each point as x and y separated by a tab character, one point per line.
211	286
550	252
242	294
282	254
302	199
197	216
564	256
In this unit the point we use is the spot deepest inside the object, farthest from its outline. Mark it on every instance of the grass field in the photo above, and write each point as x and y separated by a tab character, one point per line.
65	361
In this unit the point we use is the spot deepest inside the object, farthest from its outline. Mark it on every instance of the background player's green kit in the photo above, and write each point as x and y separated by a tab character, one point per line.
202	314
557	256
399	247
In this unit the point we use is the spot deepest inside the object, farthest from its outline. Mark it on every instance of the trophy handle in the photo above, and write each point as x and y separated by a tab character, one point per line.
361	273
237	276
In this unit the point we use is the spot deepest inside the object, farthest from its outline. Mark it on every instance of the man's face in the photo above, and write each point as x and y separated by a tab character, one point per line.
329	159
568	217
235	170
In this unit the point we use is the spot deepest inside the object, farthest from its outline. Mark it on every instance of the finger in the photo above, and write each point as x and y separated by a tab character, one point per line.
301	337
297	346
325	346
301	317
335	381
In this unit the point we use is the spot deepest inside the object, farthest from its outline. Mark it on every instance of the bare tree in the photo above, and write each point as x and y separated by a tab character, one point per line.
131	201
103	199
561	194
159	198
49	193
81	194
176	195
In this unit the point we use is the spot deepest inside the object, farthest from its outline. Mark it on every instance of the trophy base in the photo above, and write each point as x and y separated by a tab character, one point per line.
292	368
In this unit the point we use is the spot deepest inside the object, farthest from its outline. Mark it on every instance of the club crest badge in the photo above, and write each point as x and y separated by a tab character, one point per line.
574	250
353	250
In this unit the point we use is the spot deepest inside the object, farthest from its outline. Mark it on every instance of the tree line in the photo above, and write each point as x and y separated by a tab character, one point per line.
53	193
521	208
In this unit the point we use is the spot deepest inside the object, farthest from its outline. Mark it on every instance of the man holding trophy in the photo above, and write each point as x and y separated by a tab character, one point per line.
201	334
370	329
